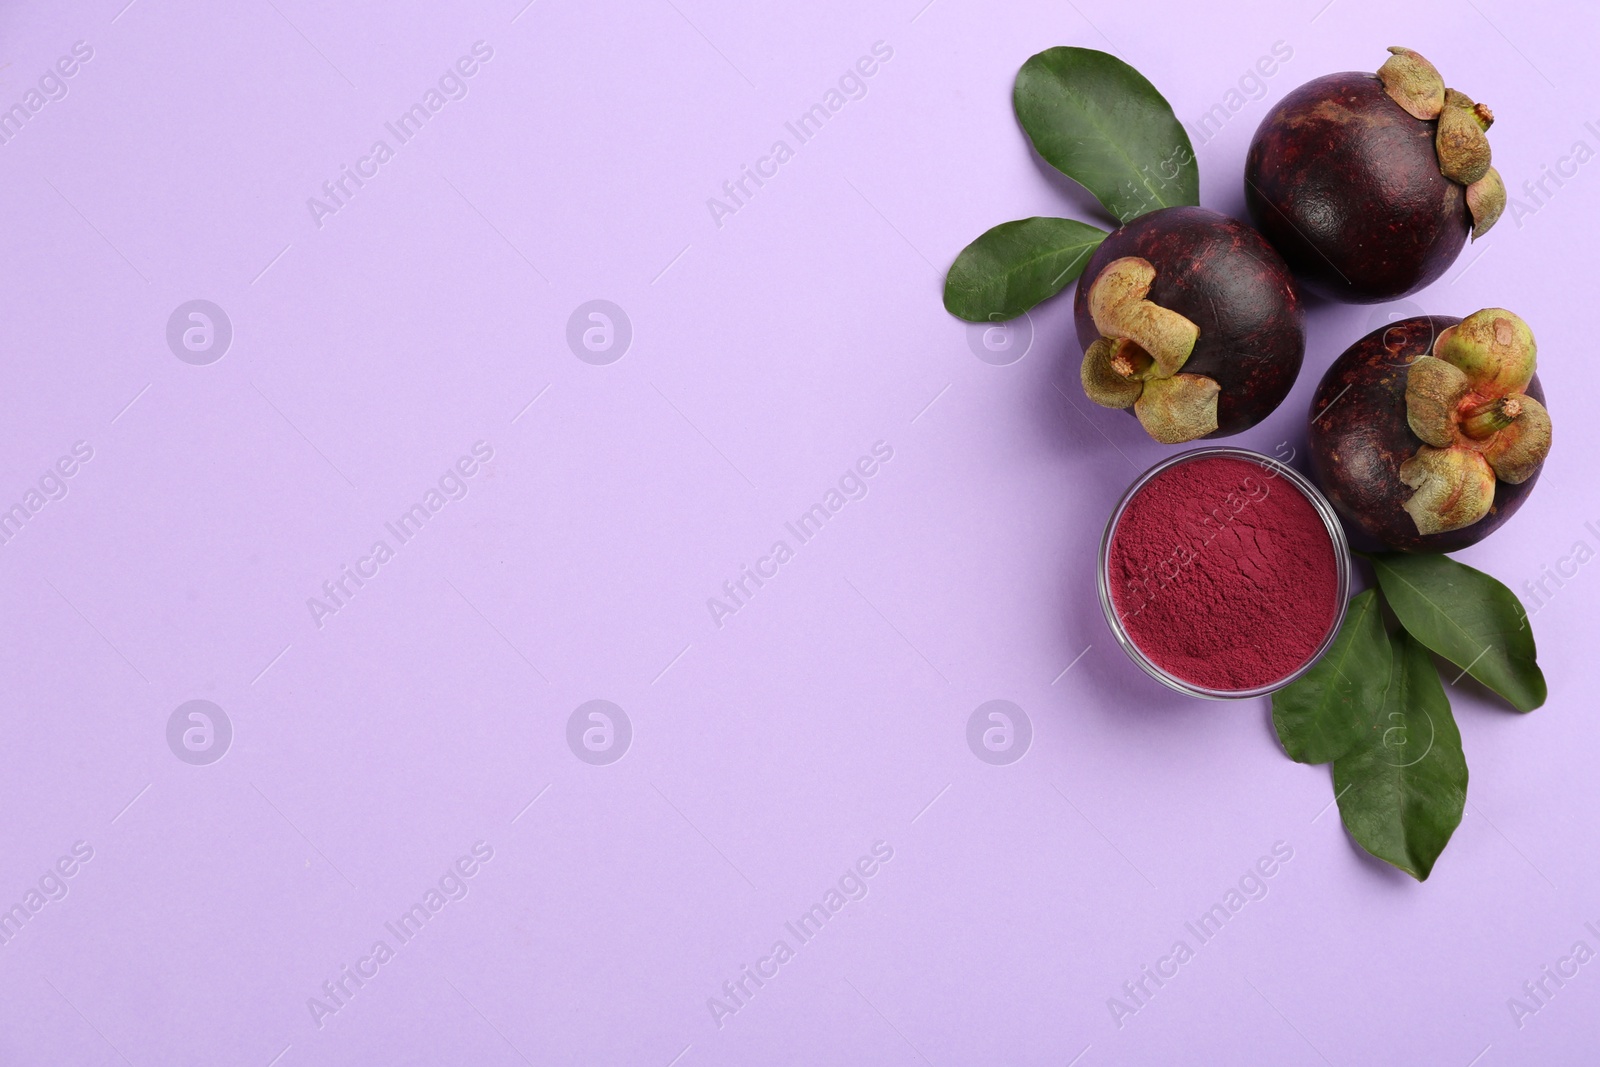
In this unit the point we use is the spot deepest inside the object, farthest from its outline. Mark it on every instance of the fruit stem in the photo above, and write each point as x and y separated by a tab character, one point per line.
1488	419
1131	361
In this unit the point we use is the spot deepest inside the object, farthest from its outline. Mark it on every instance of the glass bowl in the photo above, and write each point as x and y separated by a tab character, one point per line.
1276	470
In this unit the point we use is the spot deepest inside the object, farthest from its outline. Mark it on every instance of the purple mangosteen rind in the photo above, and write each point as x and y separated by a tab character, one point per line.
1347	186
1360	436
1228	281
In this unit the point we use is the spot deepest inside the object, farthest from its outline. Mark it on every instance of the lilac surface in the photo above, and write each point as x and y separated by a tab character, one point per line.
830	712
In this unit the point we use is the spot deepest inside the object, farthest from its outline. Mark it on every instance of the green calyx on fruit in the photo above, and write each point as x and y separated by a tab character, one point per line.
1486	200
1465	402
1178	409
1493	347
1413	82
1118	306
1463	150
1454	488
1106	383
1434	391
1516	451
1136	362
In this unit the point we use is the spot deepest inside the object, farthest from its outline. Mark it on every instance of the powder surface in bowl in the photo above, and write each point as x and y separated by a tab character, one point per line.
1223	574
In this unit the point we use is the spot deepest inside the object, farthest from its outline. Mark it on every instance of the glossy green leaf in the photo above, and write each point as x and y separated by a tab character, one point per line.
1325	712
1015	265
1402	791
1468	618
1099	122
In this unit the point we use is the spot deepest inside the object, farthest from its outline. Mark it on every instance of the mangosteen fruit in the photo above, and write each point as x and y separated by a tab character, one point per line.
1369	184
1190	321
1429	433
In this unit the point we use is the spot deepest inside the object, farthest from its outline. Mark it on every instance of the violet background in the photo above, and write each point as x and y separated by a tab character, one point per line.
831	712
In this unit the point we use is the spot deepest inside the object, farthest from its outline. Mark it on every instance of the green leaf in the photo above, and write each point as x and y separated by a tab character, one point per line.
1401	793
1015	265
1099	122
1468	618
1324	713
